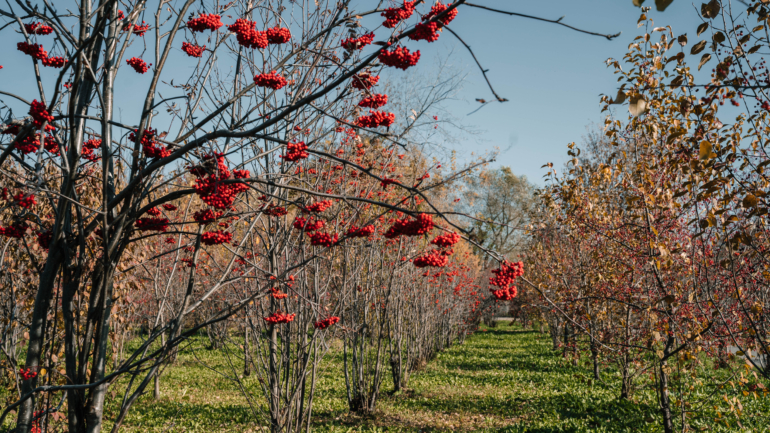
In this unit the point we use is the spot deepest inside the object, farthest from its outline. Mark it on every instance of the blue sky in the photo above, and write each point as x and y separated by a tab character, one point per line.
552	76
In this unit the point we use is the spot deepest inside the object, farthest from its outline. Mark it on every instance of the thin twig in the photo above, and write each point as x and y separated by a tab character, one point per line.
608	36
483	71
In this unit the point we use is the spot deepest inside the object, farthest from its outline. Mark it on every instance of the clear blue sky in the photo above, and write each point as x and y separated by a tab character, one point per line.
551	75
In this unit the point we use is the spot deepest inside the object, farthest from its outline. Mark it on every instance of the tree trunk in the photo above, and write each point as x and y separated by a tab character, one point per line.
625	384
95	408
555	330
565	339
395	369
37	334
246	353
156	378
665	403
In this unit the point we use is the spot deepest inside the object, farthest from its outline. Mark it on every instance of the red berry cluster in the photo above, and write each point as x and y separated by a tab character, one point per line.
15	230
278	35
154	211
323	239
24	201
504	278
137	29
506	274
39	114
275	211
150	147
277	294
206	216
169	207
54	62
211	188
364	81
506	294
308	225
434	258
271	80
88	149
193	50
35	427
138	64
216	237
205	22
385	182
446	240
374	101
358	43
217	194
213	163
38	29
27	373
425	32
375	119
393	16
362	232
319	206
28	145
323	324
411	227
170	240
399	58
12	129
50	144
34	50
296	151
247	35
438	9
241	174
44	239
279	317
152	224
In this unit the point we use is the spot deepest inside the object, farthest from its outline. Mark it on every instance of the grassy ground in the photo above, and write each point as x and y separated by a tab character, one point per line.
502	380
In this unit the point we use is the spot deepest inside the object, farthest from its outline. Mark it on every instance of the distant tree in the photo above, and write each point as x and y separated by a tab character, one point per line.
501	202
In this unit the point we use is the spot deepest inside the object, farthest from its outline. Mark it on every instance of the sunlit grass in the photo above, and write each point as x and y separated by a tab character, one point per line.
502	380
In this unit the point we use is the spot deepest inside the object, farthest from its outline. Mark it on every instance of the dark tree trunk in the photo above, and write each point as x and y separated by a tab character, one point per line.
665	401
555	329
595	358
246	353
625	384
395	369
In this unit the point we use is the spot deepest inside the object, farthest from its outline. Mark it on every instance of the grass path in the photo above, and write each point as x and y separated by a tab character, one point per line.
508	380
501	380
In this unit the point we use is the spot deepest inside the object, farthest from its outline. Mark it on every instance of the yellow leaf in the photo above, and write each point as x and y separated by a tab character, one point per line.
705	150
706	57
637	105
749	201
697	48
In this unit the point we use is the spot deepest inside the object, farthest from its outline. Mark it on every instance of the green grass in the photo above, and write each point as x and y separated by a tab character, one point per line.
501	380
